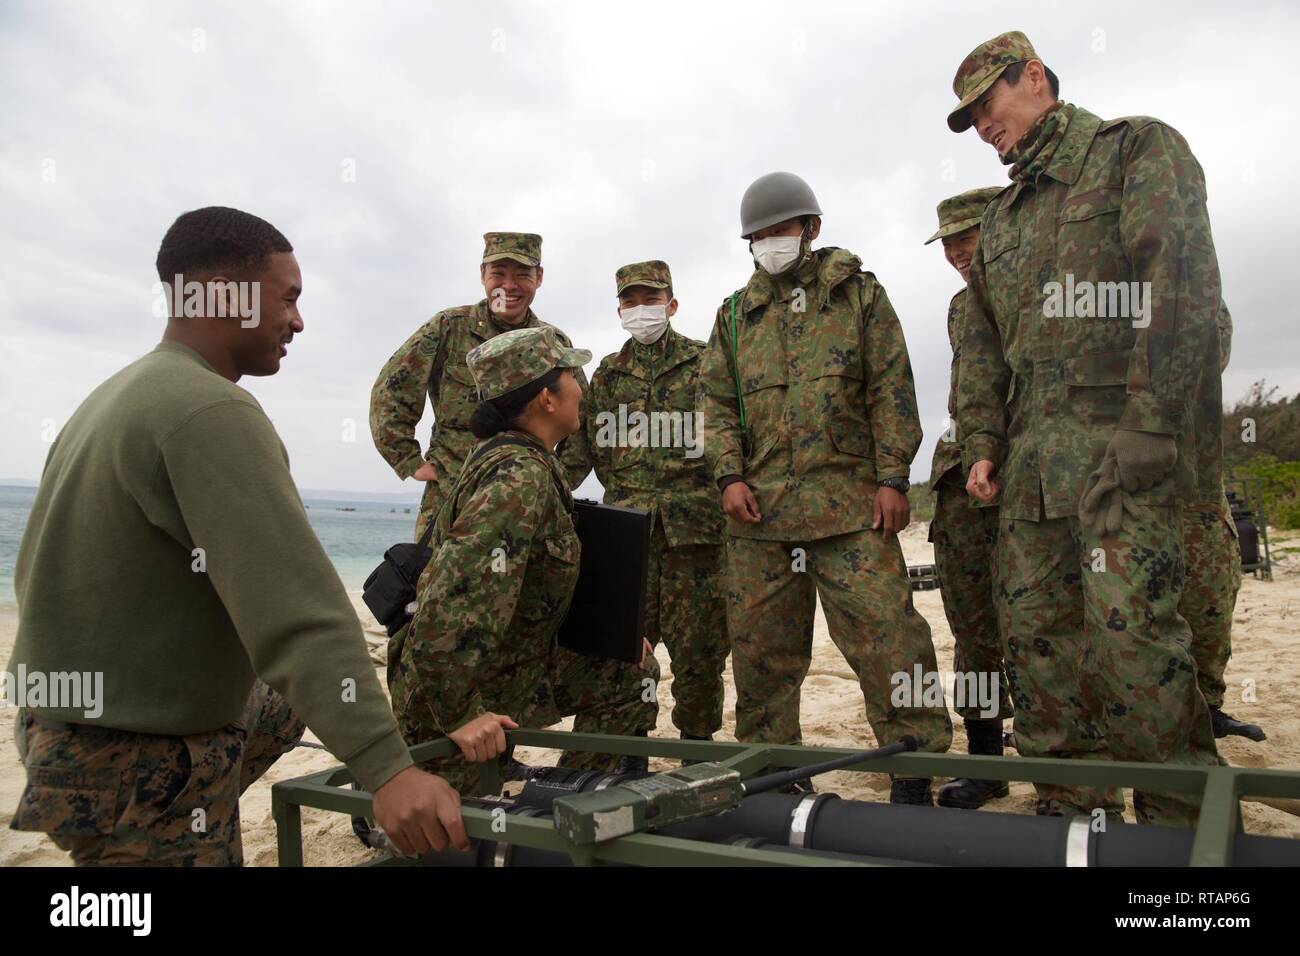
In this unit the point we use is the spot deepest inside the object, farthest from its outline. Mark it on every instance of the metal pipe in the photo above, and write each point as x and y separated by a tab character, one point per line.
964	838
825	825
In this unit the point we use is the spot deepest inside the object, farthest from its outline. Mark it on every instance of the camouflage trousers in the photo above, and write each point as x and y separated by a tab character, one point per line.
604	696
964	541
772	588
1210	590
685	609
114	797
1097	655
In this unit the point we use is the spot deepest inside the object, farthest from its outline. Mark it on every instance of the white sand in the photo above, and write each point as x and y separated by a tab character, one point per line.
1266	651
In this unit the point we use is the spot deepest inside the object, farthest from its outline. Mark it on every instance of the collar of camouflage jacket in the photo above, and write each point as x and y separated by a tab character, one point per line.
659	357
1067	161
489	325
510	447
1034	150
820	274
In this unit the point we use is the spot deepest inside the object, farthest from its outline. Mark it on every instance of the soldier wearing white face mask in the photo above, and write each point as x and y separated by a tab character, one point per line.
646	444
810	429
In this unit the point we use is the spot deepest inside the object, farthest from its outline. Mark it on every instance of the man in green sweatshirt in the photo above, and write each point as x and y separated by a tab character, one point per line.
168	575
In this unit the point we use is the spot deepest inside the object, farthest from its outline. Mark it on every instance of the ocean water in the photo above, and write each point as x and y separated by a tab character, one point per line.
355	540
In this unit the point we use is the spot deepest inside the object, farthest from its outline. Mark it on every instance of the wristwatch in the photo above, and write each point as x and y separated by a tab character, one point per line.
901	485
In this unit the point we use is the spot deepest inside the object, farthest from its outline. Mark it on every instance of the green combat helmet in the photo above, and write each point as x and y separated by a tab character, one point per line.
512	359
775	198
958	213
981	69
523	247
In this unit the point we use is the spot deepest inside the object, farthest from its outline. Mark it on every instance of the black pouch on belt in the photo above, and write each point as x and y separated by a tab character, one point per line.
389	592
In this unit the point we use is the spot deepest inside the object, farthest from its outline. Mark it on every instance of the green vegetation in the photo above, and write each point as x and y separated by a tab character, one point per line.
1273	457
1279	483
920	499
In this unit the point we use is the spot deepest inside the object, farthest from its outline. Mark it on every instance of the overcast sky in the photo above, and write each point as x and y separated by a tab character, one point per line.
619	131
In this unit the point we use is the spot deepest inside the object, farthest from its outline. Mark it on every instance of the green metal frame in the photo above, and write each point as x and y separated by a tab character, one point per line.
1222	789
924	577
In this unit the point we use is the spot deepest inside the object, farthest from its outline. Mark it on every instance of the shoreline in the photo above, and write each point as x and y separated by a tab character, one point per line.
1266	643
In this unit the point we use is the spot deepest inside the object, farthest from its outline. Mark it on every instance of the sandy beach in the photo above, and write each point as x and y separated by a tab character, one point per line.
1266	644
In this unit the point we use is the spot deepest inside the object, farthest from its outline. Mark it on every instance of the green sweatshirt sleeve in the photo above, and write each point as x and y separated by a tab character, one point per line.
228	473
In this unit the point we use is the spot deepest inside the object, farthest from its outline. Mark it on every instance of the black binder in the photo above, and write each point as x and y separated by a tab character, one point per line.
607	615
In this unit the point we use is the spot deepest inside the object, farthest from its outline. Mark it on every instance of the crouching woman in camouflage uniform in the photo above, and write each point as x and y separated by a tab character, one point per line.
504	567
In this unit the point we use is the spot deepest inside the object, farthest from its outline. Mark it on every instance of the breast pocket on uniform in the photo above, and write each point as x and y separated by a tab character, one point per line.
457	395
622	425
999	246
764	392
1088	240
560	577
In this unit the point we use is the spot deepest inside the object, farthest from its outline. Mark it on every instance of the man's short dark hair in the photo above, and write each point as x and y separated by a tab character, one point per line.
1012	75
217	239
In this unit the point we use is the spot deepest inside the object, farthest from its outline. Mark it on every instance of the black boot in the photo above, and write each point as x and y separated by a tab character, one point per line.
636	766
984	737
1225	725
686	736
914	790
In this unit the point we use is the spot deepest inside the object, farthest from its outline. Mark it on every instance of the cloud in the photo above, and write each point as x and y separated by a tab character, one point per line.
618	131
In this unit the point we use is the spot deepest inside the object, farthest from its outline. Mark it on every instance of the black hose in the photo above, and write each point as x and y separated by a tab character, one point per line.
782	778
823	824
965	838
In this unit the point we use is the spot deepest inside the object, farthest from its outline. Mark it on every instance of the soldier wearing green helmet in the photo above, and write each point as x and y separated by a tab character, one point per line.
479	655
810	426
1094	294
964	536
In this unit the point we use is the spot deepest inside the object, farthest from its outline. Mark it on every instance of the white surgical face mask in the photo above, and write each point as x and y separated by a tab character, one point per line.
775	254
645	323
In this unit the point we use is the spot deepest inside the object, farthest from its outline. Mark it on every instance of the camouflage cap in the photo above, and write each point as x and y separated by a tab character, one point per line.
958	213
507	361
981	69
654	274
525	247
